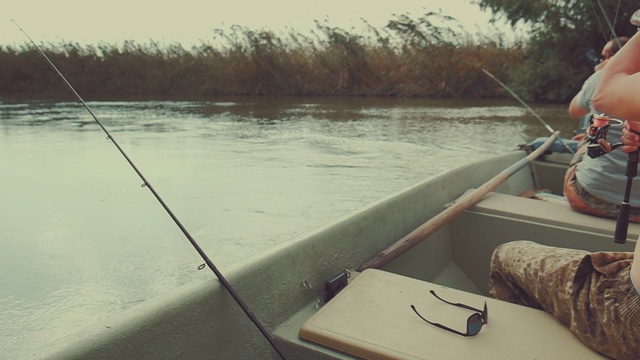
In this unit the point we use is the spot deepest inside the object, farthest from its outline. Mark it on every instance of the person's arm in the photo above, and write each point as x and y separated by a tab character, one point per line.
618	92
575	110
580	104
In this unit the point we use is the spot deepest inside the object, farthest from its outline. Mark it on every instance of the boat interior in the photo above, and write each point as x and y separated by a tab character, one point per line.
501	216
371	316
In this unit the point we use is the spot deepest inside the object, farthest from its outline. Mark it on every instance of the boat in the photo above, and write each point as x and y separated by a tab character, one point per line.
370	315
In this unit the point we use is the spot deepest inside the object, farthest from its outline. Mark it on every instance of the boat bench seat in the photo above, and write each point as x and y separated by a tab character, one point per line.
371	318
548	212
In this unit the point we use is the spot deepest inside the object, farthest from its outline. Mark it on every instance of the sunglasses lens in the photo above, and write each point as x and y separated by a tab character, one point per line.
474	324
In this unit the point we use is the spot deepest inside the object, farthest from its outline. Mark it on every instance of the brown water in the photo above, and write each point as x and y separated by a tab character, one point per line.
82	240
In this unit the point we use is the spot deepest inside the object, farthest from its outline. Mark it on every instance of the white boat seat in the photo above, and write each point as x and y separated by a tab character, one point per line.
552	213
371	318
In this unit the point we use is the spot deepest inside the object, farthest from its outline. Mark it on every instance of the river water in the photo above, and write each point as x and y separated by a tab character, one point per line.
81	240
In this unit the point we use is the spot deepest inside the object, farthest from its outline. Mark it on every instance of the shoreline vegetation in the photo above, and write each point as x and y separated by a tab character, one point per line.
407	58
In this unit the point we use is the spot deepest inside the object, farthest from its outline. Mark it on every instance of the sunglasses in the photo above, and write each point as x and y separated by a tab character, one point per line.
474	322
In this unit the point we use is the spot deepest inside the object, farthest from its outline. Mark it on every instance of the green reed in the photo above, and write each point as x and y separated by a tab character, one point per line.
407	58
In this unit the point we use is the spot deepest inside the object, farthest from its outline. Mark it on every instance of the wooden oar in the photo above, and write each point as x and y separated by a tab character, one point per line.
438	221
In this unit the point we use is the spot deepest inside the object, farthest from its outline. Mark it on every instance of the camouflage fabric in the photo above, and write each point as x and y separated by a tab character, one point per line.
591	293
583	201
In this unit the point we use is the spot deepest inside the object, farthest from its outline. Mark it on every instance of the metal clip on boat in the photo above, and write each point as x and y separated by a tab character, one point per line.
331	287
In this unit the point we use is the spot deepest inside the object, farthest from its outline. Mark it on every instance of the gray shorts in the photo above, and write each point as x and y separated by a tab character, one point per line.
583	201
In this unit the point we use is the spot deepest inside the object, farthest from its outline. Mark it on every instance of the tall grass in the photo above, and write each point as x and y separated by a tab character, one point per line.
410	57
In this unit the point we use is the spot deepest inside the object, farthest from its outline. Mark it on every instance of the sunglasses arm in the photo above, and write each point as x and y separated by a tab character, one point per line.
439	325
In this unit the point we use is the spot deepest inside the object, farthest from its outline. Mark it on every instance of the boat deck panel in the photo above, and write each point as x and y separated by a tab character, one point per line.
371	318
548	212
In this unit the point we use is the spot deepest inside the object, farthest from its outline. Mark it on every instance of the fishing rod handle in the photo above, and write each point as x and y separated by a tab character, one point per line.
620	236
622	225
632	164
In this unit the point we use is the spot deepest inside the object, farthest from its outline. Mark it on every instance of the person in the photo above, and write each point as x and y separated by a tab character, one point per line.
580	105
596	186
597	295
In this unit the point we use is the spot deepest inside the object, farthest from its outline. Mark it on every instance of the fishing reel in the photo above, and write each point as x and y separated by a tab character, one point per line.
597	144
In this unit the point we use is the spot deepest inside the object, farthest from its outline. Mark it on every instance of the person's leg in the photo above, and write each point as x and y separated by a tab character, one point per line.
589	292
607	311
534	275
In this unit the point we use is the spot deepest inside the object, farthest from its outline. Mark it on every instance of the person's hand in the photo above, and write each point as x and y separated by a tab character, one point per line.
630	136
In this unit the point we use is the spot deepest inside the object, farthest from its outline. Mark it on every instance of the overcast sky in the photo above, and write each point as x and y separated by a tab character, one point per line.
190	21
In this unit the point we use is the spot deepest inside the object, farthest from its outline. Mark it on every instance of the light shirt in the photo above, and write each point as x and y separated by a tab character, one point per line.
604	177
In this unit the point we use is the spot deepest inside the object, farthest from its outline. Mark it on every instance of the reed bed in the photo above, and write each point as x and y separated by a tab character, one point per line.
429	56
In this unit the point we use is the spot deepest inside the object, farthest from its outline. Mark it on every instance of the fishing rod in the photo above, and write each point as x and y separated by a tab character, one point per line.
597	145
622	225
547	126
146	184
631	171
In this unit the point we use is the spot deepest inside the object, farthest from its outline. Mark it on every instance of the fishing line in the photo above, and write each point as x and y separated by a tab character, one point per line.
146	184
615	17
528	108
595	13
606	18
